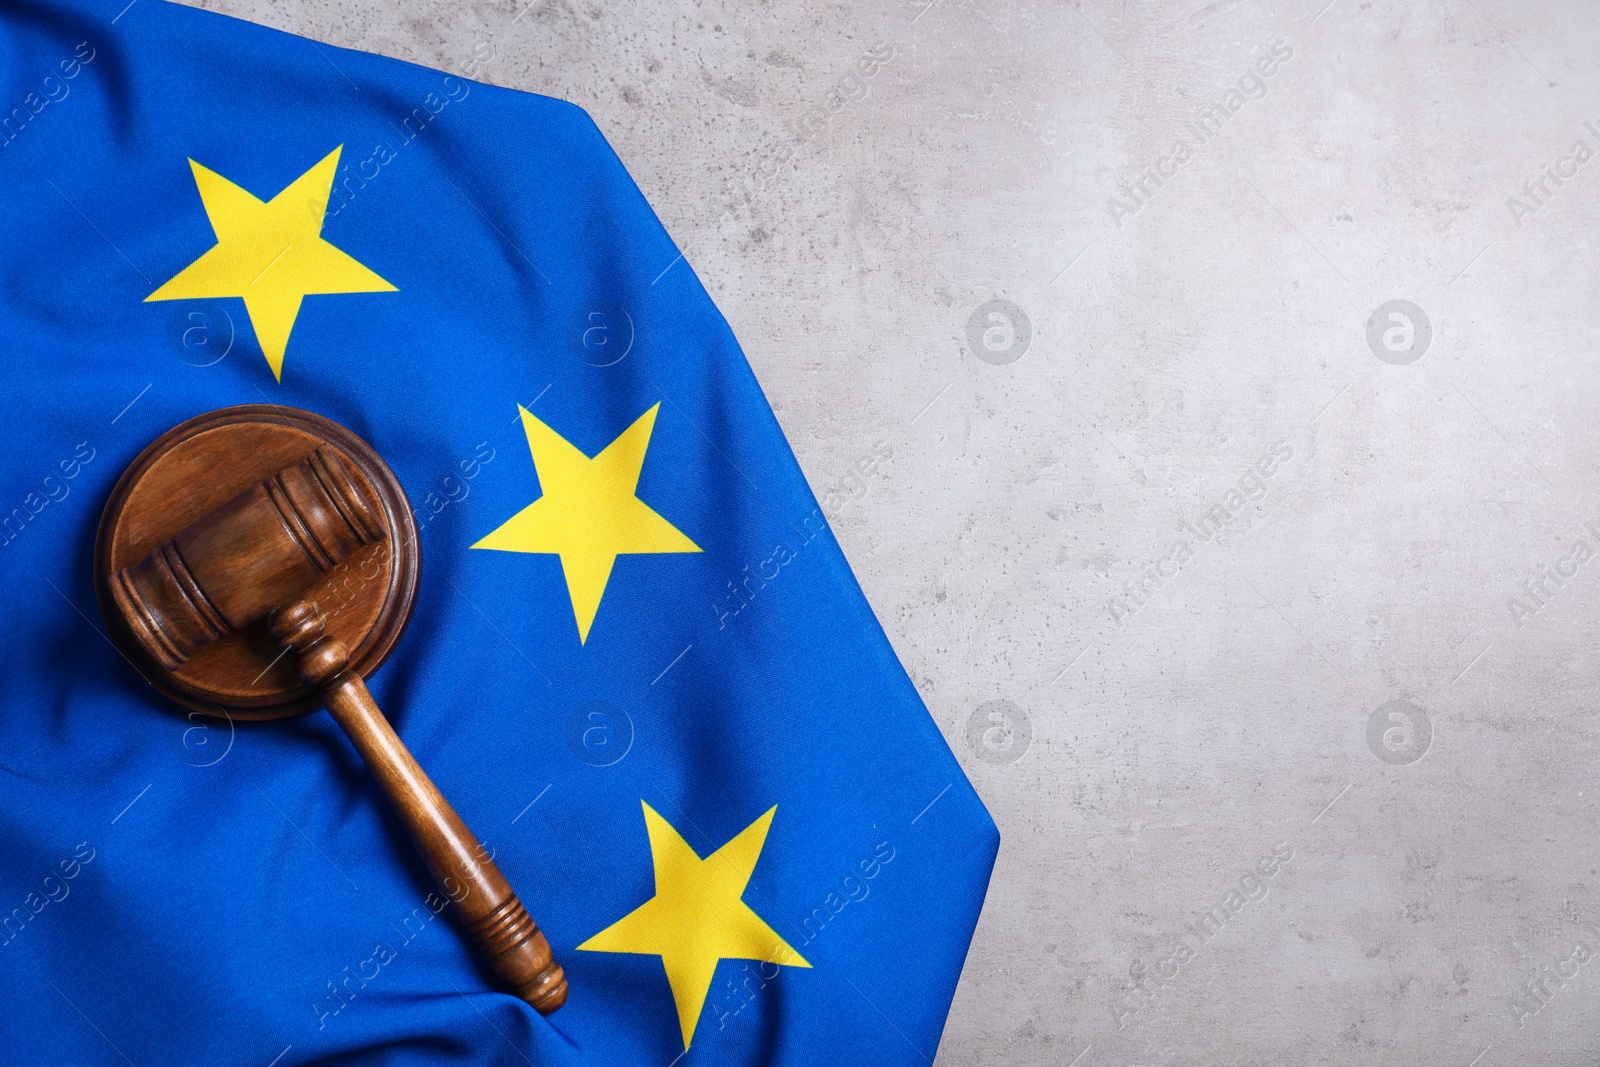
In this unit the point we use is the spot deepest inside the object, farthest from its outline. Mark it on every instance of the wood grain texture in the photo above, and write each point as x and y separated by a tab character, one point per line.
202	465
503	932
233	565
212	551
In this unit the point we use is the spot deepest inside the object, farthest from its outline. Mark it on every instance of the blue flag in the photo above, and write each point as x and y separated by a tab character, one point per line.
639	665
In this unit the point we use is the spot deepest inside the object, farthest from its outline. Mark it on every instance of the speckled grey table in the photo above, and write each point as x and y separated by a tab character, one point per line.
1204	394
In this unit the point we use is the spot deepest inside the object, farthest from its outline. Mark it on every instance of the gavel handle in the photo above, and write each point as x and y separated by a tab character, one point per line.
495	919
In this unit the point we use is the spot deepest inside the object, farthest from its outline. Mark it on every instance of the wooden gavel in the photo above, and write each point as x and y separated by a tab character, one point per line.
258	555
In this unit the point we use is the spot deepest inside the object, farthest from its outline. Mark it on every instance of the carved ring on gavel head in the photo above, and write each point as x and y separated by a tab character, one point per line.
251	532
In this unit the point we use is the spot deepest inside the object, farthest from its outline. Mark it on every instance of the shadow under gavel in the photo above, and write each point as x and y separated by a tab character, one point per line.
257	556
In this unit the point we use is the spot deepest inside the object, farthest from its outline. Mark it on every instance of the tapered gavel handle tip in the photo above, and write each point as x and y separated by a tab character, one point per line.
516	948
548	993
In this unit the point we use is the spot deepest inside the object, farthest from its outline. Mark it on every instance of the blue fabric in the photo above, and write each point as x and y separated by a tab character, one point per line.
178	891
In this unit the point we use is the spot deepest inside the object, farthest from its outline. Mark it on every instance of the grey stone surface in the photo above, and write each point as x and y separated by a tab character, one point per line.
1441	848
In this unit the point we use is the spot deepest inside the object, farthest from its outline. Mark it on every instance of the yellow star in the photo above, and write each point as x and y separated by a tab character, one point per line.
697	917
588	514
271	253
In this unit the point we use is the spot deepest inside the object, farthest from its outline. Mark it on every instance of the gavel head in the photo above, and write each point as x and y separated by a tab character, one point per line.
255	553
